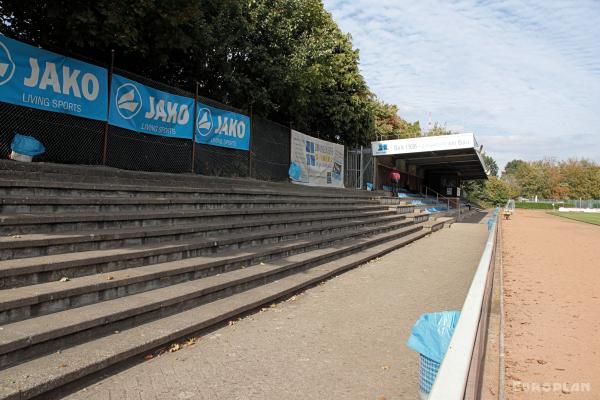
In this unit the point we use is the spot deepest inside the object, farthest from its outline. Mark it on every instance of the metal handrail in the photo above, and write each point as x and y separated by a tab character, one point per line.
462	361
438	196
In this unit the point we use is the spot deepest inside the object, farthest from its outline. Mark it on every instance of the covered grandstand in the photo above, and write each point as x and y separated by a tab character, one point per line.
430	164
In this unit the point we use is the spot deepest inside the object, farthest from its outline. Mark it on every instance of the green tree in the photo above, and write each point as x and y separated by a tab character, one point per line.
288	60
389	124
438	130
490	164
512	166
497	192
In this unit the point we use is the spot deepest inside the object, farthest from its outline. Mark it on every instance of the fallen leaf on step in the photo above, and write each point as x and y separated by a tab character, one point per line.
109	278
64	279
148	357
16	236
174	347
385	367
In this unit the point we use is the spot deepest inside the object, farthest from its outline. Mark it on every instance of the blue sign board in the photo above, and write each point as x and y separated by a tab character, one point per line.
143	109
37	78
222	128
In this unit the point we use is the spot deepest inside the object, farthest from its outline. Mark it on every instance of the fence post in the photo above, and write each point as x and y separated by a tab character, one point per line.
250	142
360	165
110	74
194	127
291	127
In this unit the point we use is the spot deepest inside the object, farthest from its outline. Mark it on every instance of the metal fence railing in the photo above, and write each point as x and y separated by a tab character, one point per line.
578	203
71	139
461	371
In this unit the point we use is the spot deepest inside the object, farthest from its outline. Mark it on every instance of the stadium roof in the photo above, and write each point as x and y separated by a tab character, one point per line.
458	153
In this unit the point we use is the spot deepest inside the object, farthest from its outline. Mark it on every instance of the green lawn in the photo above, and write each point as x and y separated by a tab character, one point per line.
590	218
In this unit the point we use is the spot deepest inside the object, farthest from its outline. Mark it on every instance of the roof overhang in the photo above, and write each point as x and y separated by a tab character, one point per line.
458	153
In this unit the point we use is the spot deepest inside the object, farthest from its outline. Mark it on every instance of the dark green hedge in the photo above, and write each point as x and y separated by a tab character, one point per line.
535	206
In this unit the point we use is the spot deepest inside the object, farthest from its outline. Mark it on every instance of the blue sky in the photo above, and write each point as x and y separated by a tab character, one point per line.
524	76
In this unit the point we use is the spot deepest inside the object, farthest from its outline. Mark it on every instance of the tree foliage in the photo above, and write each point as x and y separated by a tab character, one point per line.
552	179
438	130
285	59
388	123
546	179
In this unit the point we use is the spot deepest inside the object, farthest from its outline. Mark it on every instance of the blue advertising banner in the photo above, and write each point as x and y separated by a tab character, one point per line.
143	109
37	78
222	128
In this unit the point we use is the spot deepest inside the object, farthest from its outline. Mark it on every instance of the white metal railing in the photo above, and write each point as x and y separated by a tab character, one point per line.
456	368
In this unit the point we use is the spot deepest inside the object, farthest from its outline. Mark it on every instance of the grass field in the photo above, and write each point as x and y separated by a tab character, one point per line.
590	218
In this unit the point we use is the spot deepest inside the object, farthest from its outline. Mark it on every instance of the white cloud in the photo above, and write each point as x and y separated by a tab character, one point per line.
524	76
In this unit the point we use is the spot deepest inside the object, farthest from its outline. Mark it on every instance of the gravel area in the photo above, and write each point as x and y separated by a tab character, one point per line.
552	307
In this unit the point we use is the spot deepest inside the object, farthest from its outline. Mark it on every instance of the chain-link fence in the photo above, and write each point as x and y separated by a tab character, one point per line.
270	148
74	140
67	139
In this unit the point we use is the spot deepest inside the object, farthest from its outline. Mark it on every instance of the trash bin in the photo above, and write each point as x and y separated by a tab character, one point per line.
430	337
24	148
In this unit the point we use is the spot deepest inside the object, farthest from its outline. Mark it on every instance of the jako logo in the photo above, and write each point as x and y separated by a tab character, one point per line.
129	100
204	122
7	66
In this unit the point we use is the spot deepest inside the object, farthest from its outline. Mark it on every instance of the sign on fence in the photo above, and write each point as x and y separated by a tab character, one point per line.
144	109
222	128
321	163
37	78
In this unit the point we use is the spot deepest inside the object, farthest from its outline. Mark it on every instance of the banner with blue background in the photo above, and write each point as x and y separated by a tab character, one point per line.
222	128
143	109
37	78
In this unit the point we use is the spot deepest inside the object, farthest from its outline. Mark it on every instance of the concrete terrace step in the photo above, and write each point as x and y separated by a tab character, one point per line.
62	173
38	244
26	271
24	187
39	223
41	375
27	333
32	204
438	223
28	301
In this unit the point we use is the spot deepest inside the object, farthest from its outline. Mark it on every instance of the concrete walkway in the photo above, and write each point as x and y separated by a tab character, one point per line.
343	339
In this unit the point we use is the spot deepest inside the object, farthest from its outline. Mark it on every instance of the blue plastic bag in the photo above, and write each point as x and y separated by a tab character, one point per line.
294	172
26	145
432	332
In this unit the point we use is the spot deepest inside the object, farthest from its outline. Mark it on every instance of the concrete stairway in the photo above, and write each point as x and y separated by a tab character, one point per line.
100	265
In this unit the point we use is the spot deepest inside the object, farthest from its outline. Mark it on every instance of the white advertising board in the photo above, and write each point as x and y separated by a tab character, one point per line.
320	163
424	144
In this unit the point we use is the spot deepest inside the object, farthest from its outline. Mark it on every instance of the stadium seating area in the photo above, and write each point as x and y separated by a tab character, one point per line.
426	204
99	265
